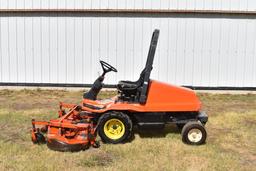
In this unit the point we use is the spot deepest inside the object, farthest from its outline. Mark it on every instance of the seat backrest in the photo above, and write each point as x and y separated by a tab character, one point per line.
152	49
149	66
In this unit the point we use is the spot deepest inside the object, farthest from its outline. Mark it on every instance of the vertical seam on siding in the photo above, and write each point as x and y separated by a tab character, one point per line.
49	47
227	53
202	53
16	39
142	40
219	54
125	55
66	51
99	47
108	40
91	45
83	45
210	55
25	49
1	66
237	34
57	47
168	45
116	27
98	44
245	50
133	53
193	52
9	60
176	50
32	46
33	52
254	52
184	54
74	46
41	58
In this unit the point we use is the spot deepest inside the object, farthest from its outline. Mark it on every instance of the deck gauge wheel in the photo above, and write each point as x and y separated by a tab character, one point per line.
193	133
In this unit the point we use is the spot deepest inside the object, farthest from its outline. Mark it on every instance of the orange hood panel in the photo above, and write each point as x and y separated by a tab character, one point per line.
162	97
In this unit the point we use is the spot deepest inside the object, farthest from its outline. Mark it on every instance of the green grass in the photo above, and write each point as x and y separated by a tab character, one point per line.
231	142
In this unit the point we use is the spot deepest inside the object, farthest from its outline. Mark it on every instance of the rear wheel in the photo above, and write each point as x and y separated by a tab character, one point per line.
193	133
115	127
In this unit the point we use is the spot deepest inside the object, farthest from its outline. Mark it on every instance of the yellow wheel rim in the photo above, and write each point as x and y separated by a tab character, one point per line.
114	129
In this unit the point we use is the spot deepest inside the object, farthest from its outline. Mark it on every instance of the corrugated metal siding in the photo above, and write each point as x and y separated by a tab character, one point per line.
197	50
243	5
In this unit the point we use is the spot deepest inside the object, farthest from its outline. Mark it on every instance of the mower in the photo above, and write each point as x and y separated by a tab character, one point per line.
144	103
70	132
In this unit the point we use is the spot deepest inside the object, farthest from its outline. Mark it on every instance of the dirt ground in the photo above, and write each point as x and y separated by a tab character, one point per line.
231	142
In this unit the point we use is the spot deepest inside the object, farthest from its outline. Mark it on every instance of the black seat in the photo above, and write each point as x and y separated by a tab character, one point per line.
124	85
136	91
131	85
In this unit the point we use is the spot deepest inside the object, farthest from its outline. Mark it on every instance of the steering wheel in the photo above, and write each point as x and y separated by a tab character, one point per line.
107	67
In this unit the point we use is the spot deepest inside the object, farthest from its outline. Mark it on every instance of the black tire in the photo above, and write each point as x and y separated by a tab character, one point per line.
121	117
199	136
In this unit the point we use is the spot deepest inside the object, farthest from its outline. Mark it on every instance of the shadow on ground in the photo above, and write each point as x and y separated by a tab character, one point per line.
157	132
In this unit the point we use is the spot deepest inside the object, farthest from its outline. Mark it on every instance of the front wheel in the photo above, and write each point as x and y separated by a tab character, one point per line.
193	133
114	127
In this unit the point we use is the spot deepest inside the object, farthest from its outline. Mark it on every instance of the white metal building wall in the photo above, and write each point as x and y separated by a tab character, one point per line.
243	5
193	49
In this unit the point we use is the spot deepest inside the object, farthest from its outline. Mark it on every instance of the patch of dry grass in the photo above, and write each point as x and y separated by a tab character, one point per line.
231	143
